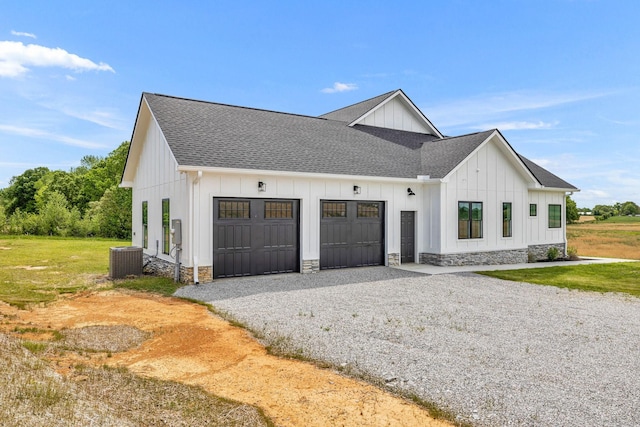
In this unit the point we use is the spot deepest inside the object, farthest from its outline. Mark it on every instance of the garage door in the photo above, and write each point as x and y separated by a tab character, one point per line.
351	233
255	236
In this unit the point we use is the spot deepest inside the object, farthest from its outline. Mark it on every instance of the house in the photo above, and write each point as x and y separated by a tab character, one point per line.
374	183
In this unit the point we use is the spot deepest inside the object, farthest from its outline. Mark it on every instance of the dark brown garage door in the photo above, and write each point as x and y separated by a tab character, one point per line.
255	236
351	233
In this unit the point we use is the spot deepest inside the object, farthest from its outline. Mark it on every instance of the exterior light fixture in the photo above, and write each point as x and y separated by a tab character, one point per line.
356	189
410	192
262	186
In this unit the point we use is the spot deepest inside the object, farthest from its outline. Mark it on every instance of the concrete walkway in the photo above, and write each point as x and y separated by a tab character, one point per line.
435	269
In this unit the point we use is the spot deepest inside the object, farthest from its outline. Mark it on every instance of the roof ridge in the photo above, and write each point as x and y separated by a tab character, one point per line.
386	95
233	106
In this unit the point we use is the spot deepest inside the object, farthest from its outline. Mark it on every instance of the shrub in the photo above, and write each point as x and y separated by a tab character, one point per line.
572	253
552	253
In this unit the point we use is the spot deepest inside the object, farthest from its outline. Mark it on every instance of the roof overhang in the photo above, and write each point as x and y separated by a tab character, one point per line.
291	174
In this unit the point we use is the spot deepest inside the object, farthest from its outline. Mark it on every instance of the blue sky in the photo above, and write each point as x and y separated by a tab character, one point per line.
559	78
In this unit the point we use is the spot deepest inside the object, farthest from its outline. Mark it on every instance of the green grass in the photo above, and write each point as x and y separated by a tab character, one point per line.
159	285
617	277
623	220
35	270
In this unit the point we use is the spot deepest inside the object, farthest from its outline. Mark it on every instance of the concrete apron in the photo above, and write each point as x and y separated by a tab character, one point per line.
436	269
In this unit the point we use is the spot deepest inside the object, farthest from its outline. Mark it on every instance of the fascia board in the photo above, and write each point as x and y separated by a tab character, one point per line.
136	141
291	174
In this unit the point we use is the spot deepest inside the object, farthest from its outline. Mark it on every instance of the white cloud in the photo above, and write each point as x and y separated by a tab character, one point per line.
70	78
40	134
15	58
340	87
516	125
23	34
491	107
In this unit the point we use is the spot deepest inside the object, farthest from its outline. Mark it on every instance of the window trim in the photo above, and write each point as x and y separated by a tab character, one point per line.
533	209
470	221
559	219
145	224
166	227
507	223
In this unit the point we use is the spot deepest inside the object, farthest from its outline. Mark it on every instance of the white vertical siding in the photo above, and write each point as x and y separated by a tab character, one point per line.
156	178
538	226
487	177
396	115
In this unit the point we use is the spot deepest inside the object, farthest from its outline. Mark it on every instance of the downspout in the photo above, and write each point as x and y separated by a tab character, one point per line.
194	218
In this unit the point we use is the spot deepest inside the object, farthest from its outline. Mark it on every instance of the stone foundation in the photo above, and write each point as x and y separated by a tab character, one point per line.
310	266
539	252
512	256
160	267
394	260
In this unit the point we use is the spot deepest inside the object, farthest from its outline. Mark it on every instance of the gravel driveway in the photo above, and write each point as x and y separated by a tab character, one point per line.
493	352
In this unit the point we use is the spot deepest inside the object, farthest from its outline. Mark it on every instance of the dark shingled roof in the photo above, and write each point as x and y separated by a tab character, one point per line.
545	177
352	112
215	135
441	156
207	134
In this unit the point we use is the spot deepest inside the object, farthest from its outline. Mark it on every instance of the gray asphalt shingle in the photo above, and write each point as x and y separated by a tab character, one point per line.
207	134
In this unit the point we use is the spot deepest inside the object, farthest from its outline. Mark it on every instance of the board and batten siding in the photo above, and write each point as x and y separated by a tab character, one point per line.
489	177
310	192
538	226
395	115
156	178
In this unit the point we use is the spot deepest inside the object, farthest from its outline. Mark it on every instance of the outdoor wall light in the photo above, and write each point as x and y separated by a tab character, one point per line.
262	186
356	189
410	192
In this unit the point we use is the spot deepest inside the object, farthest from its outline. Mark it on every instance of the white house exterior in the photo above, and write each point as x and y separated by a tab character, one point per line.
375	183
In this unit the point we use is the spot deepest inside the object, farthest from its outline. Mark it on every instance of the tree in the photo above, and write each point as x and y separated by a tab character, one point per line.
20	194
572	211
630	208
112	214
54	216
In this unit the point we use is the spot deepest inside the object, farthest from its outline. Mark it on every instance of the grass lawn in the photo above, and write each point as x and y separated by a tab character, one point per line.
618	277
36	270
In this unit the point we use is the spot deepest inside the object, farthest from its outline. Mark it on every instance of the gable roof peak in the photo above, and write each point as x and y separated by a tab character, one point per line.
352	112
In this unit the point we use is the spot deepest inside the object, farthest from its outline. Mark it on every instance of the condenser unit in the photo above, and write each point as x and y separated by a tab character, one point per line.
125	261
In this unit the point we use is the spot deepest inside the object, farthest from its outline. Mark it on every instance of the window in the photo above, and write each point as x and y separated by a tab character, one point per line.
533	209
166	229
469	220
334	210
231	209
506	219
555	216
368	210
275	210
145	225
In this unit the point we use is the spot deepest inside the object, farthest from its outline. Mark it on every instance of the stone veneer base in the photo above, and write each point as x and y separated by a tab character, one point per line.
512	256
159	267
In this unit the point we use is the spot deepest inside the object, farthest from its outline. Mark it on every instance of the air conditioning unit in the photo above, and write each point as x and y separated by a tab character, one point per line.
125	261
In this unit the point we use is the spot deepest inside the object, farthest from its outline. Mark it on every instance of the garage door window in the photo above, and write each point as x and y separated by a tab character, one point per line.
334	210
233	210
368	210
278	210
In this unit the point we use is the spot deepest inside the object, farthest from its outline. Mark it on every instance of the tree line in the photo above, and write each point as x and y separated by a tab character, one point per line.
86	201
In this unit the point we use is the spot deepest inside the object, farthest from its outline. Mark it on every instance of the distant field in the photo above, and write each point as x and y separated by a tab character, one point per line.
616	237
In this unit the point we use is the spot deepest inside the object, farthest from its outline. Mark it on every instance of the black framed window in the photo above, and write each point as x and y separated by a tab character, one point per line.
166	228
278	210
555	216
469	220
506	219
145	225
368	210
533	209
334	210
233	209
